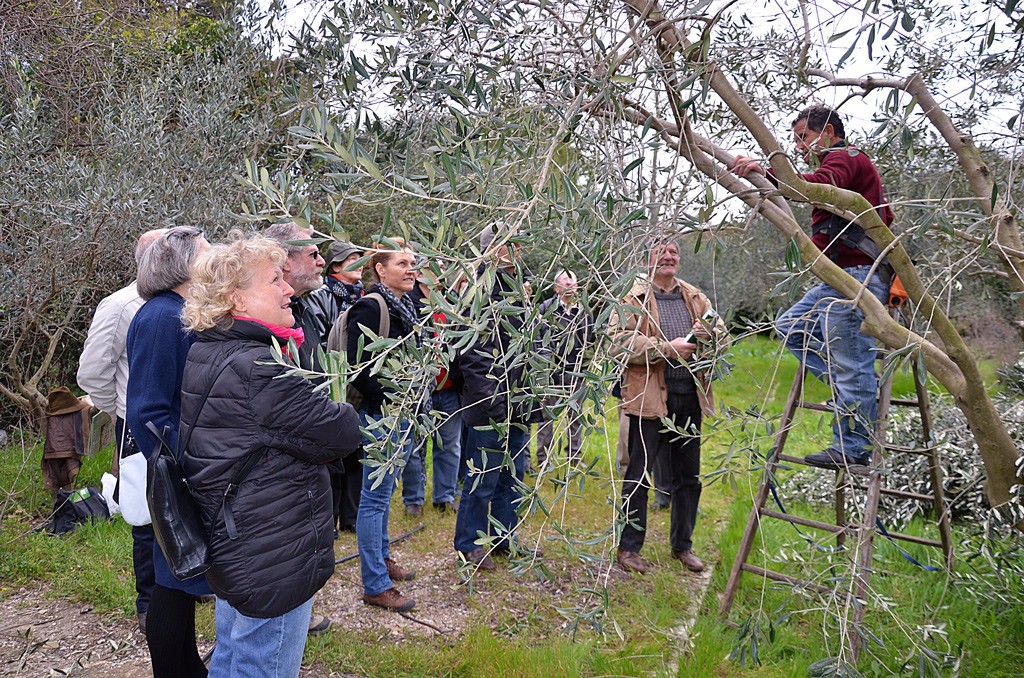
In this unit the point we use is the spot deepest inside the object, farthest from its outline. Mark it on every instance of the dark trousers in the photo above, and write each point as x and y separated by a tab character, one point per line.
649	442
345	489
171	635
142	543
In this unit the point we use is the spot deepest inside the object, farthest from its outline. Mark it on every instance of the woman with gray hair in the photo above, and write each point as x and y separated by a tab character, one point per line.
259	441
158	344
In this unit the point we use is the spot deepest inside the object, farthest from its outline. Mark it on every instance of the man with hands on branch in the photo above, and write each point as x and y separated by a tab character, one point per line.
823	328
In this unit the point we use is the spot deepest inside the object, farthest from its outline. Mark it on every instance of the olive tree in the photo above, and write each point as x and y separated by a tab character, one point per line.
114	120
600	123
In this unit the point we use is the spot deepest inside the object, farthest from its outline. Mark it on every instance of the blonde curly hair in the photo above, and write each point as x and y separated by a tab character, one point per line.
221	270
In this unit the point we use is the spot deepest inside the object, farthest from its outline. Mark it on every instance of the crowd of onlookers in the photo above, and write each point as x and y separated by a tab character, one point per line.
235	347
190	348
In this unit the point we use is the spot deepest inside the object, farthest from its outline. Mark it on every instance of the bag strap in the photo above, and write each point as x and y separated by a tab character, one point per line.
384	325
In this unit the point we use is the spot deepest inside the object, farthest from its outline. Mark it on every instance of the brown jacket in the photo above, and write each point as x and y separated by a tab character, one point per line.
637	338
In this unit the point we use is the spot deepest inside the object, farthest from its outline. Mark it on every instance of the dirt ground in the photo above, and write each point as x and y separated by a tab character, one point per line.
44	636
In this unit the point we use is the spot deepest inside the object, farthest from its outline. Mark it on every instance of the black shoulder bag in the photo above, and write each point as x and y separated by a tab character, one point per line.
177	520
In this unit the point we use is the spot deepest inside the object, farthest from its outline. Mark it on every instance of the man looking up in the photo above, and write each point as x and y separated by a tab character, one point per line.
655	332
103	374
566	330
496	408
823	328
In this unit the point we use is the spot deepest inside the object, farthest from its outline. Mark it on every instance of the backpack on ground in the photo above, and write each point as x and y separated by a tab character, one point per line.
72	508
337	340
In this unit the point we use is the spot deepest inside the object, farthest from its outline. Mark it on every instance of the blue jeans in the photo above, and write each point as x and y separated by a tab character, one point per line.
447	450
375	506
491	488
823	331
254	648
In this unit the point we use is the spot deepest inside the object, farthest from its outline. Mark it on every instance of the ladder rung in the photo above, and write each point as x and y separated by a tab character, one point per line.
905	449
906	494
905	402
806	522
912	538
817	407
778	576
926	498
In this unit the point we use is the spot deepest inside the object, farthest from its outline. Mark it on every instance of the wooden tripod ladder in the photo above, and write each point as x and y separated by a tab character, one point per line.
869	480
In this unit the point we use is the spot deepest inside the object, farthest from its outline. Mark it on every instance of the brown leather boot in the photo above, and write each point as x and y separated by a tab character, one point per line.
392	599
630	561
690	560
480	558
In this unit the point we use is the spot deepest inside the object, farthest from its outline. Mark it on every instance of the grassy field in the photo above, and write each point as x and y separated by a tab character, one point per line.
576	616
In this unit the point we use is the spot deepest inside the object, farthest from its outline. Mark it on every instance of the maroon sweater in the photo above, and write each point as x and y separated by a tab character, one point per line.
850	168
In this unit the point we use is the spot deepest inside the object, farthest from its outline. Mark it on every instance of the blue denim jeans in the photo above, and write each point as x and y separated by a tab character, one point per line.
823	331
493	490
375	508
447	451
258	648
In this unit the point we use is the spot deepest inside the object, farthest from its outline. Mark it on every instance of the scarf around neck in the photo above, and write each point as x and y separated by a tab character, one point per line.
404	305
283	333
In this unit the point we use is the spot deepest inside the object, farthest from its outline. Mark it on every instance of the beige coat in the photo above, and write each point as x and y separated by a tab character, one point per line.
637	338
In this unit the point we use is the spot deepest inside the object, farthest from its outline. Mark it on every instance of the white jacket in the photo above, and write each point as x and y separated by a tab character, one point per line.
103	367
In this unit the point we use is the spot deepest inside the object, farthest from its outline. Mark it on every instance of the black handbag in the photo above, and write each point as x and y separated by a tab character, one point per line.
177	519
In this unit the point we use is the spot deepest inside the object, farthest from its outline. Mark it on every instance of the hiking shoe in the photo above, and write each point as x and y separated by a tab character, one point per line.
835	460
443	506
392	599
397	572
630	561
414	510
690	560
142	622
318	624
480	558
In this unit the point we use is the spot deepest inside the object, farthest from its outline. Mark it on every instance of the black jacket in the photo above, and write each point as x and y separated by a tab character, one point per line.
315	328
366	312
494	367
284	550
564	335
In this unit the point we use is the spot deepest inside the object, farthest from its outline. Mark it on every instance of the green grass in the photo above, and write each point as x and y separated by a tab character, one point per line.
587	629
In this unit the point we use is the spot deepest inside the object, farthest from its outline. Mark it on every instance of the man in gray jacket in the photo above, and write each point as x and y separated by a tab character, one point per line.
103	374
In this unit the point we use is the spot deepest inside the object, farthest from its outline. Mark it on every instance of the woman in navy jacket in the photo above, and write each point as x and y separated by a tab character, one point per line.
157	347
272	542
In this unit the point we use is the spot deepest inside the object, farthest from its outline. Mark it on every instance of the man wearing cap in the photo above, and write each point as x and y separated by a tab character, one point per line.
343	287
496	406
103	374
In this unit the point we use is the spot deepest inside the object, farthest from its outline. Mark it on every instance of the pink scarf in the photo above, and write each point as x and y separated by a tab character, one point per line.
282	333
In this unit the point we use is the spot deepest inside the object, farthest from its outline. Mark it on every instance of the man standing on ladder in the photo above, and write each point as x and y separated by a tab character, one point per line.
823	328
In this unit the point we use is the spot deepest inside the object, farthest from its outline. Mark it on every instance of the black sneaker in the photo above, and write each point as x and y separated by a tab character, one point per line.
835	460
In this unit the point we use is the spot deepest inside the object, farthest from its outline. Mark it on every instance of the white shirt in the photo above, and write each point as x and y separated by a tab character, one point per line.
103	367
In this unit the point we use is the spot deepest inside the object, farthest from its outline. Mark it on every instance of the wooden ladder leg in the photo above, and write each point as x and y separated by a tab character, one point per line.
754	520
934	467
866	534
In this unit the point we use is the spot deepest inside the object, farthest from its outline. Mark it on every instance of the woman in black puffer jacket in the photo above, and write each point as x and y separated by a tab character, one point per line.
272	542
